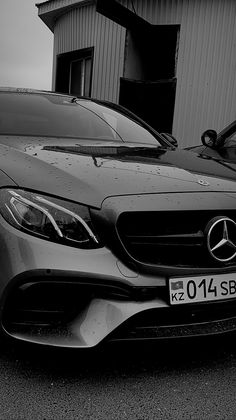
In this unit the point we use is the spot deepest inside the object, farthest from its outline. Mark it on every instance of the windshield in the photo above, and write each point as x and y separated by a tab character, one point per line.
128	129
59	116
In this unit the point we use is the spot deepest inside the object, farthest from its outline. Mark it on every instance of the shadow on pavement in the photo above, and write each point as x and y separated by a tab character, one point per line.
121	359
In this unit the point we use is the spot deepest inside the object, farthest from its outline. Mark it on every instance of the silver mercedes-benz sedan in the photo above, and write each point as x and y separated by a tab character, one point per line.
107	232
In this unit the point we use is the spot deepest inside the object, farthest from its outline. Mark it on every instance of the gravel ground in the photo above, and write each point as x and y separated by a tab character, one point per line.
190	379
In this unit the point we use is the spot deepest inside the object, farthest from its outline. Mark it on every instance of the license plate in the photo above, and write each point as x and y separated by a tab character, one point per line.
202	288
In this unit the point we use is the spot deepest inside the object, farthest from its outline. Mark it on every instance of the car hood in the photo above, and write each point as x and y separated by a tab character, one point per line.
224	155
90	171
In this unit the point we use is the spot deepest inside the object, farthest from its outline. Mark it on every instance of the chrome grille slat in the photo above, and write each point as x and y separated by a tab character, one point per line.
198	235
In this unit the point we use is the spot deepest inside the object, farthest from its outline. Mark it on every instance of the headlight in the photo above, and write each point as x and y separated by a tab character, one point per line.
49	218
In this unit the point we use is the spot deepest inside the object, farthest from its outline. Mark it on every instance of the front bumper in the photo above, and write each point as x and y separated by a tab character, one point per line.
62	296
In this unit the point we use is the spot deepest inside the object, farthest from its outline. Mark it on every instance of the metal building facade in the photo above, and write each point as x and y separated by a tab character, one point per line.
83	28
206	64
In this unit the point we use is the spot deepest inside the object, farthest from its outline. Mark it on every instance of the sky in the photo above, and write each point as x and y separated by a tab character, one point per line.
26	46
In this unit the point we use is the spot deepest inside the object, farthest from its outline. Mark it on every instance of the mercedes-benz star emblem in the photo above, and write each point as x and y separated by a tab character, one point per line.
203	182
221	238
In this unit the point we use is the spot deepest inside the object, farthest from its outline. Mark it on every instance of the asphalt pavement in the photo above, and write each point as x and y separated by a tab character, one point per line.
190	379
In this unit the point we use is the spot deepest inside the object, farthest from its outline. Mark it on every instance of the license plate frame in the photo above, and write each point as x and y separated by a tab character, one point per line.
198	289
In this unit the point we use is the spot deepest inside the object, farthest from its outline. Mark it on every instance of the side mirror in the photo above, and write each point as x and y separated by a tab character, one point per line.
171	139
209	138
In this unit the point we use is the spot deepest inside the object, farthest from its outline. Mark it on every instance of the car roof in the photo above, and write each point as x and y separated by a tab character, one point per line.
7	89
29	90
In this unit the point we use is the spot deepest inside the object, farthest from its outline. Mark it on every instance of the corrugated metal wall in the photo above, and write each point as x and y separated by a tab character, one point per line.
83	28
206	83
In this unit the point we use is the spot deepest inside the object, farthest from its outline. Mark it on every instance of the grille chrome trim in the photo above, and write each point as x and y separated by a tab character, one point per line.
146	237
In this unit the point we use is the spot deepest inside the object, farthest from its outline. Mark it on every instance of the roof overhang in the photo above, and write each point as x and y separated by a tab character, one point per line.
121	15
49	11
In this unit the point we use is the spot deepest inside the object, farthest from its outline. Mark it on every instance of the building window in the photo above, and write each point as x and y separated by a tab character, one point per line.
80	76
74	72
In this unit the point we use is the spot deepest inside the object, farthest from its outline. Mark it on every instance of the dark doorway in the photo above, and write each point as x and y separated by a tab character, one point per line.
151	101
149	84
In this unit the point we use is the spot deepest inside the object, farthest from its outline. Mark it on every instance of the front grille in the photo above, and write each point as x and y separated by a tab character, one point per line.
170	238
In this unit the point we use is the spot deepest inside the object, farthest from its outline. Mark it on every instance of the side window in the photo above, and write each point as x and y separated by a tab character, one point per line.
233	140
74	72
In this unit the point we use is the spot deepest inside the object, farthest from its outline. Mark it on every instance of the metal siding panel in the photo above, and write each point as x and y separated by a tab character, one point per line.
206	70
103	50
107	58
98	57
